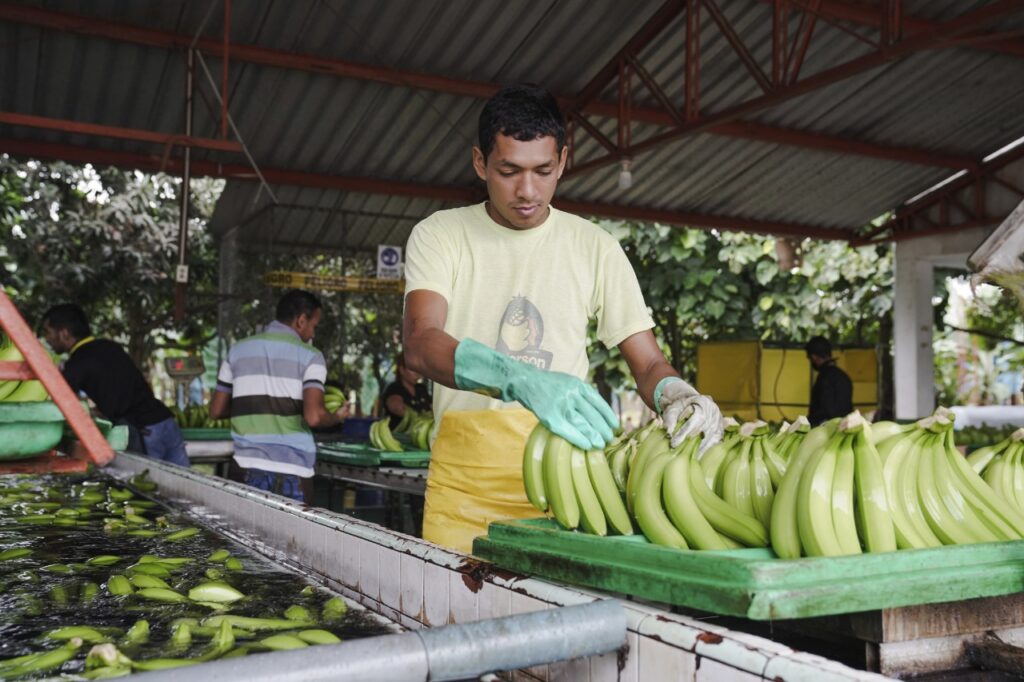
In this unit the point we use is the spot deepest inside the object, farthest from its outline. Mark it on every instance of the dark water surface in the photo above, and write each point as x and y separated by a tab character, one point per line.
35	599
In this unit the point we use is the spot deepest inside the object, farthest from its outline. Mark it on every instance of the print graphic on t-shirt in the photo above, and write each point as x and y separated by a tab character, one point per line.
521	333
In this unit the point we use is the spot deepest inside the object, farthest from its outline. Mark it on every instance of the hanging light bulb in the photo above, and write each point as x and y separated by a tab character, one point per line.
625	174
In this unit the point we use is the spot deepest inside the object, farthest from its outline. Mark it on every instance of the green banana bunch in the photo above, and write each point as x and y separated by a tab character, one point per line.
17	391
574	486
334	398
788	438
382	438
420	433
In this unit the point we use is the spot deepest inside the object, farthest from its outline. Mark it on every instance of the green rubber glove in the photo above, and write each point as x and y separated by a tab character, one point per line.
566	405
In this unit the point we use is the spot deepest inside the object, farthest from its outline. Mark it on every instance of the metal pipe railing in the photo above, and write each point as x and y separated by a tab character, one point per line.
452	652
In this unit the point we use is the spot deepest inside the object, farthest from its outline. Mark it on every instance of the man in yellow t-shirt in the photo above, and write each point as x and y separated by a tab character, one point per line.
498	298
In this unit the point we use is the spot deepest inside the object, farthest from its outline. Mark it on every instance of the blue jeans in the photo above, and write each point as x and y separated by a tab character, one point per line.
280	484
164	442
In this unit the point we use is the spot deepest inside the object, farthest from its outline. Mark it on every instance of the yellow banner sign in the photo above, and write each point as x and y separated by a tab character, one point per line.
359	285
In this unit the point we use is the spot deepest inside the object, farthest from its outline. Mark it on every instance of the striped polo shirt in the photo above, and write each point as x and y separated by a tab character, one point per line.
265	375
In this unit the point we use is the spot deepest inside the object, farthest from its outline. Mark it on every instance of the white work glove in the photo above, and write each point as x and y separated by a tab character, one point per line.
679	402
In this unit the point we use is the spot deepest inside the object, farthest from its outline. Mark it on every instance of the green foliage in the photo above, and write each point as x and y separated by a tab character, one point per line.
107	240
704	285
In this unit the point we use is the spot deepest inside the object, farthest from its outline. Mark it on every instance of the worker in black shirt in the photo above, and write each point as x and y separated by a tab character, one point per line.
832	393
103	371
407	391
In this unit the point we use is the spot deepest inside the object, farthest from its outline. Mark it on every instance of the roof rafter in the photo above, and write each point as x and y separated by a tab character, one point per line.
865	15
121	32
453	193
938	36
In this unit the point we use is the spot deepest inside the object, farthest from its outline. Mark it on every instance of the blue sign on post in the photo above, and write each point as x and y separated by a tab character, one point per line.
389	262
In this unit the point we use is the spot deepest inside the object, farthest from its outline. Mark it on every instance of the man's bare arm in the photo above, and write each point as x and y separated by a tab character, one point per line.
428	349
647	364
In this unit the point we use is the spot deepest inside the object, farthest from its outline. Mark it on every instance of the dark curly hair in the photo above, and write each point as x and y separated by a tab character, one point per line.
523	112
296	302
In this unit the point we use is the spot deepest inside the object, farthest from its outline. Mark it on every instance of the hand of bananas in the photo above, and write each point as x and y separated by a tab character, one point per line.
14	390
845	487
197	417
382	438
334	398
1002	467
418	426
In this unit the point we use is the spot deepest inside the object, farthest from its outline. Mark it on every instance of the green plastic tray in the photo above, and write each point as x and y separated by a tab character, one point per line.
206	434
30	428
358	454
753	583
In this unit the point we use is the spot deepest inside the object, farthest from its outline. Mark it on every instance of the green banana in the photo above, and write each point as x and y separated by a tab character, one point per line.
871	504
909	476
608	493
682	508
762	491
978	493
254	624
655	441
736	479
843	521
982	457
283	642
558	488
386	438
619	464
650	515
533	460
591	513
216	592
142	580
775	462
161	594
948	528
723	517
814	502
317	637
40	662
711	461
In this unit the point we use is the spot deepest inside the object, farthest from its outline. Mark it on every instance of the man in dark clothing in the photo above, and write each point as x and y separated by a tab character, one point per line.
407	391
103	371
832	393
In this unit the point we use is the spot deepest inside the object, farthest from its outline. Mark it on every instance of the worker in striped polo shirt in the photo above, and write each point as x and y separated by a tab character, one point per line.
272	387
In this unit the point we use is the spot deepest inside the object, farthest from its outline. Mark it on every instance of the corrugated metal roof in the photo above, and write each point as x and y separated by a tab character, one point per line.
954	101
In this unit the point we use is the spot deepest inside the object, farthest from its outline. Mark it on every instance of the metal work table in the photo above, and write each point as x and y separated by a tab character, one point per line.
215	452
397	479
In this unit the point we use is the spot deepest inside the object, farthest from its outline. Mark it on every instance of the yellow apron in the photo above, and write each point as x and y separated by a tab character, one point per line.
476	475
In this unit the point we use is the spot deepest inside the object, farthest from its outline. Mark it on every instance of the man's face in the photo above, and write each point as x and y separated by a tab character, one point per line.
305	325
816	360
521	178
58	339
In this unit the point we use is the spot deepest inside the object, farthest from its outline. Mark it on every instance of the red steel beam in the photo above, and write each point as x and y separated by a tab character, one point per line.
372	186
828	143
224	71
685	219
276	58
738	46
78	127
984	172
836	74
868	15
641	39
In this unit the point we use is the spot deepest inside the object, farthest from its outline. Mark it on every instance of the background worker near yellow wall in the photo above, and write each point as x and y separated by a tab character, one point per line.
498	298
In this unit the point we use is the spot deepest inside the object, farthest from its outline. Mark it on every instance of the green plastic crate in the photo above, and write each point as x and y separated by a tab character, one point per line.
358	454
28	429
206	434
754	583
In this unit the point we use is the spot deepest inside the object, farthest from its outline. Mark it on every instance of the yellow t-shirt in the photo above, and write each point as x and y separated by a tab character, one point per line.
526	293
